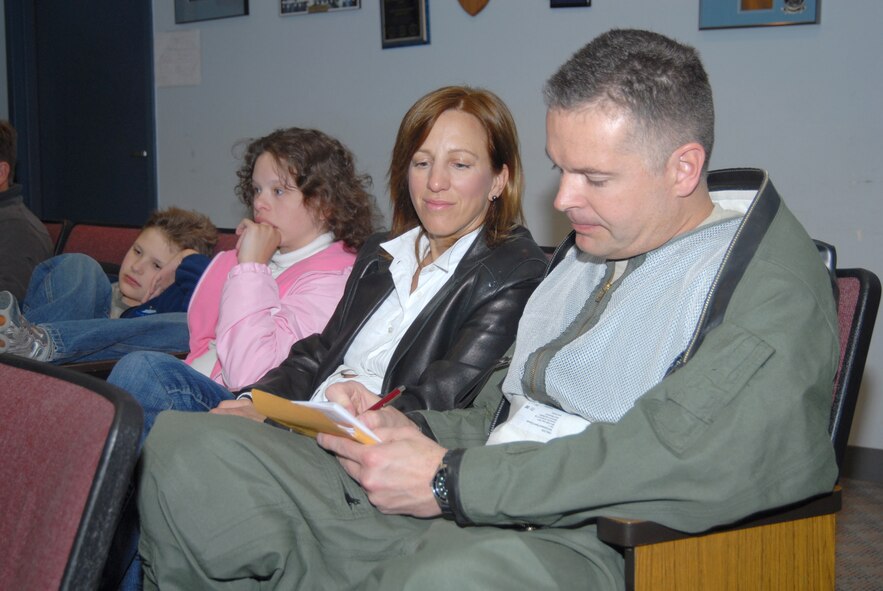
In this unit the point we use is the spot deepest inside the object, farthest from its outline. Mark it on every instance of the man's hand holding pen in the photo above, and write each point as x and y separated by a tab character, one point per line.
357	399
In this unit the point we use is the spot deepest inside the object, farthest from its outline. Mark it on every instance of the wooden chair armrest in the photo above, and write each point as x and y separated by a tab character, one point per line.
628	533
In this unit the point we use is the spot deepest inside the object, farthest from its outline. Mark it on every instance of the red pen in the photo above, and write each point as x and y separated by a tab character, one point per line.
388	398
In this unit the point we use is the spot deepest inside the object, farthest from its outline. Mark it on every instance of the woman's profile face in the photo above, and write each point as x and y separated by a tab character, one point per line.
451	179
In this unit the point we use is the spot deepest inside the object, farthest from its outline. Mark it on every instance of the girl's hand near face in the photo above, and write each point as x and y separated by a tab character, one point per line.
257	242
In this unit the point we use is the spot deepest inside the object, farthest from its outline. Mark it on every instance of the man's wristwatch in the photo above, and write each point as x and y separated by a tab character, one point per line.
440	488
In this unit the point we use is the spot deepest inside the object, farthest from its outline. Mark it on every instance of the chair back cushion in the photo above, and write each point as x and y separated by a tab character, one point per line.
847	300
105	243
857	304
226	239
54	437
58	230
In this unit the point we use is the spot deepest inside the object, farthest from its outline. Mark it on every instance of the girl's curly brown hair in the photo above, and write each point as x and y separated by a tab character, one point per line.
324	170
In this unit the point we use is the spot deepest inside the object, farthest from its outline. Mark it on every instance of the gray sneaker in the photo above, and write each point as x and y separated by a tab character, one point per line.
20	337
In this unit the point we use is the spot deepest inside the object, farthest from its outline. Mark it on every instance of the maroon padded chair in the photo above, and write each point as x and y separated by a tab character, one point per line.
106	243
857	311
58	230
226	239
68	444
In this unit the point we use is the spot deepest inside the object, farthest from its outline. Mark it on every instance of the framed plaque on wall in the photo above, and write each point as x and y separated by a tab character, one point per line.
188	11
404	22
715	14
294	7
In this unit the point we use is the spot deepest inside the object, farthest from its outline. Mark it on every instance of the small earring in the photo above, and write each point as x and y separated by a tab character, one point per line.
494	197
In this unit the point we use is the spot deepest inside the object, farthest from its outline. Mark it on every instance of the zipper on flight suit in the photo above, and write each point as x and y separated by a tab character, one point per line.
599	297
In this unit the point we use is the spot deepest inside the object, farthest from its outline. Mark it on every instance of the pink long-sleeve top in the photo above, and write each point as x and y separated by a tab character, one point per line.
251	319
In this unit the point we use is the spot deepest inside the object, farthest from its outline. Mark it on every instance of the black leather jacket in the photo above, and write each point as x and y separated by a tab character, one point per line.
452	345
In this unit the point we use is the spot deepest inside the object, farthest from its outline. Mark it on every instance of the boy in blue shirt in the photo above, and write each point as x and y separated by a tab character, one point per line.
69	311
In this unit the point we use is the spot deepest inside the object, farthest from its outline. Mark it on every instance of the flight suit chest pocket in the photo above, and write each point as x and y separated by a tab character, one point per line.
706	385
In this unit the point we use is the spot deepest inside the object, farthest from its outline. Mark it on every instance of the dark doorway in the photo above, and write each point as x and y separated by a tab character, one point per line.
82	98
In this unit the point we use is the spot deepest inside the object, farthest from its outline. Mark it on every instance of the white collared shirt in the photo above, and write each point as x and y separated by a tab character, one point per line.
369	354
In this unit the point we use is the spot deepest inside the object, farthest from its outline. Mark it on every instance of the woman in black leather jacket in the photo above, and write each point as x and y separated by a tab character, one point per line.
455	172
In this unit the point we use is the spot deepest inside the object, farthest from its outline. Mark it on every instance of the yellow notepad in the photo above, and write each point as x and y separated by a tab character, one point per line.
311	418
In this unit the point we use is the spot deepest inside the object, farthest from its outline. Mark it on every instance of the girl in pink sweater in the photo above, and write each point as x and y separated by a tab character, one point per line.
311	213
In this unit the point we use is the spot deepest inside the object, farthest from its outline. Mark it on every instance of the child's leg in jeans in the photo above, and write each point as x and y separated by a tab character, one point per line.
161	382
67	287
97	339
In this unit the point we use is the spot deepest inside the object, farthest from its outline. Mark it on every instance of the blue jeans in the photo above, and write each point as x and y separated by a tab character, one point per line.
162	382
158	382
67	287
69	295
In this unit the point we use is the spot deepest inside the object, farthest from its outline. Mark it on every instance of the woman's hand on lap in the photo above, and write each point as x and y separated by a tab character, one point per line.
242	408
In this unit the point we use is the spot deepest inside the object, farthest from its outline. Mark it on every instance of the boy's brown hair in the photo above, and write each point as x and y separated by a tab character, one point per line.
185	229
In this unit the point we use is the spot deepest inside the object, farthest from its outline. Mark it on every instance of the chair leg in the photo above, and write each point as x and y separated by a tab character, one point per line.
123	547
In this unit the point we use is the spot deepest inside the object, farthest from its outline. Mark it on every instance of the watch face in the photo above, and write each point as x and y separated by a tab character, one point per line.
440	487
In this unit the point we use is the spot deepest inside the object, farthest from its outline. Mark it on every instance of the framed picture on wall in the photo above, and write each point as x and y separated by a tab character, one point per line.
725	14
188	11
295	7
404	22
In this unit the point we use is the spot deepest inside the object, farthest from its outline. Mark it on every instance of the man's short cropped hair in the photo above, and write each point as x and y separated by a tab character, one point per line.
7	145
659	82
185	229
